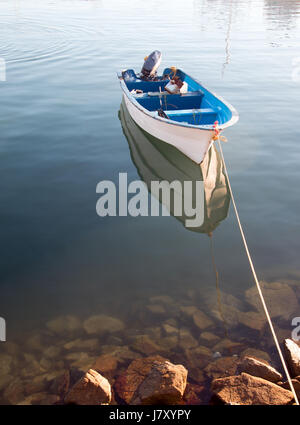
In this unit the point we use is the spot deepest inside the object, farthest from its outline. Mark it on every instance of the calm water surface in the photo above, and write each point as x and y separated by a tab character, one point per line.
60	135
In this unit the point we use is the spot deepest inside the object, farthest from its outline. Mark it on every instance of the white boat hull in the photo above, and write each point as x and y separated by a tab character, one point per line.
193	142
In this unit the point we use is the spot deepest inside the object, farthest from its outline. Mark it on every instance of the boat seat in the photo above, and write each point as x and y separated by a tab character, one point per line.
190	111
157	93
171	102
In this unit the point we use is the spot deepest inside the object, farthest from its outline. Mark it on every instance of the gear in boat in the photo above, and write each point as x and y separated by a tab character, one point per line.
174	95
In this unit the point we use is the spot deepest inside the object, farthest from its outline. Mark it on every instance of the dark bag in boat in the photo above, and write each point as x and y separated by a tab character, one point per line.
151	64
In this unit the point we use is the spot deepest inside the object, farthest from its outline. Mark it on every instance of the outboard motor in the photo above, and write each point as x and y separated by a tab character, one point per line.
151	64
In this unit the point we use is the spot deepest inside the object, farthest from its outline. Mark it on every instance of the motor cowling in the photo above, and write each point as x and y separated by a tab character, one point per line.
151	64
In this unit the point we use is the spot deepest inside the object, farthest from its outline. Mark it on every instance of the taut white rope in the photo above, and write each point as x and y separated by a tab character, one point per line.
256	279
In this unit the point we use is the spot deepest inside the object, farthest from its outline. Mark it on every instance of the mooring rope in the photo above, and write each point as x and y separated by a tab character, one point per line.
217	137
219	300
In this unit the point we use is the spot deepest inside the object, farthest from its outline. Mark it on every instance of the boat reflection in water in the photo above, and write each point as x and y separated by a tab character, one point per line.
159	161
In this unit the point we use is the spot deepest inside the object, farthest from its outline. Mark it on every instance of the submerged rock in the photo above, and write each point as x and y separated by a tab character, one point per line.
198	356
61	384
224	307
91	389
145	345
5	381
122	353
186	339
101	324
165	384
52	352
246	389
169	330
224	366
5	364
14	392
64	325
192	394
82	344
162	299
106	364
127	383
11	348
259	368
156	309
201	320
292	353
81	360
280	299
36	385
209	338
188	310
38	398
226	345
254	352
252	320
36	342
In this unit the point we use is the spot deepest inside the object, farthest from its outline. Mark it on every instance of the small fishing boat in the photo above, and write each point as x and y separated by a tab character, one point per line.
175	107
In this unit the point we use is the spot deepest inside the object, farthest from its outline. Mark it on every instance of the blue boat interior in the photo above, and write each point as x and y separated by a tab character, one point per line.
197	107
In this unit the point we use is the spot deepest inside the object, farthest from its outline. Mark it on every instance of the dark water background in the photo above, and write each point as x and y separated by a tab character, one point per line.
60	135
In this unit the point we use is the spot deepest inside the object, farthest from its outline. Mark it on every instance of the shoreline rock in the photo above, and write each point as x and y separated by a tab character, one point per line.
292	353
259	368
91	389
246	389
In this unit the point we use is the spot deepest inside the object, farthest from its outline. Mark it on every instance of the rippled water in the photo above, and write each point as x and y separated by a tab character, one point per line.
60	135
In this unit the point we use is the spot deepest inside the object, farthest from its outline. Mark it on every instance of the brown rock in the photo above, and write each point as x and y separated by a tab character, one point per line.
209	338
64	325
101	324
201	320
106	364
145	345
161	299
196	374
83	344
122	353
252	319
280	299
127	383
11	348
61	384
224	366
169	330
91	389
165	384
226	345
192	394
5	364
188	310
33	399
259	368
224	307
246	389
14	393
52	352
156	309
36	385
82	361
36	342
199	356
169	342
292	353
5	380
186	339
296	385
253	352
